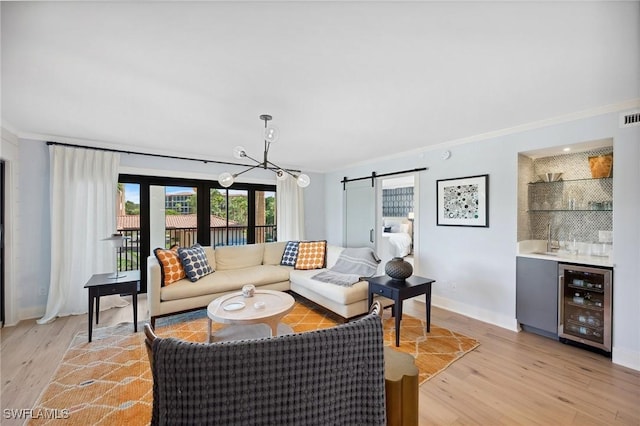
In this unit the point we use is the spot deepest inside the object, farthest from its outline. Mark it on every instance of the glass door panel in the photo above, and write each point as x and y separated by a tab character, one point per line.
585	311
238	216
265	216
218	217
172	215
229	216
128	224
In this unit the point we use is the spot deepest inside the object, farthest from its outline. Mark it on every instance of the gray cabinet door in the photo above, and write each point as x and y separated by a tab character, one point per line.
537	295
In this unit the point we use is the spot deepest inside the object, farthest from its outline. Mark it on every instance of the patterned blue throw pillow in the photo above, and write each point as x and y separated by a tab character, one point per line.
290	255
195	263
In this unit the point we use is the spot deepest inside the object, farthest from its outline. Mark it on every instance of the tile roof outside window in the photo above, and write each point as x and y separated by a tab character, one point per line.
184	221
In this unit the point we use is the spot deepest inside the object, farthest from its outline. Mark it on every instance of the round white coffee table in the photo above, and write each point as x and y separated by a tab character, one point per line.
266	306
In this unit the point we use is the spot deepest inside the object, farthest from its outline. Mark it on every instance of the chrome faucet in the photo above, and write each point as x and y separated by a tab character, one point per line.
551	246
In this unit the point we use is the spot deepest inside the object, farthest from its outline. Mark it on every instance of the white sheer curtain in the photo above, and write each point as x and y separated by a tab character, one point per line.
290	210
83	211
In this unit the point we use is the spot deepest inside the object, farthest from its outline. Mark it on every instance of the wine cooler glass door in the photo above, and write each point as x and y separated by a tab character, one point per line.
585	305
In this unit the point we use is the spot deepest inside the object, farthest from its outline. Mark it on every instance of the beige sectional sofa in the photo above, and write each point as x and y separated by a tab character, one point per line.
257	264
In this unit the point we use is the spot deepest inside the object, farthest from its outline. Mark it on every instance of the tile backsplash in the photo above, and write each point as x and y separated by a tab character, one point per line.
577	207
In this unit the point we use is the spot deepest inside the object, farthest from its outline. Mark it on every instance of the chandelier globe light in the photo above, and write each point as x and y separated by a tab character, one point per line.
271	135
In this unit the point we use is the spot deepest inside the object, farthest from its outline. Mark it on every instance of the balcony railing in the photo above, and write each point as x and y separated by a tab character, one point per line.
129	256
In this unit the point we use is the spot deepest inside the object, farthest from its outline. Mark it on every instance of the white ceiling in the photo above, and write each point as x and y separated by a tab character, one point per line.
344	81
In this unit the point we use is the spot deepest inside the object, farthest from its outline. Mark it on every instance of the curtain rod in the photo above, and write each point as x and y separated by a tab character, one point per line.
374	176
172	157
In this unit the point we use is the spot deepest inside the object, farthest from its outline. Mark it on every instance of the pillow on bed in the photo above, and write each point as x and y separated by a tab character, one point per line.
388	223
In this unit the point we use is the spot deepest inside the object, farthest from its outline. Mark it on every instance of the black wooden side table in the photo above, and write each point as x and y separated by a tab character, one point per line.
400	290
102	285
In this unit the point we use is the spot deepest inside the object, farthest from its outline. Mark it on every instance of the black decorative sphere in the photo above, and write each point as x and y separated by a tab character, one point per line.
398	269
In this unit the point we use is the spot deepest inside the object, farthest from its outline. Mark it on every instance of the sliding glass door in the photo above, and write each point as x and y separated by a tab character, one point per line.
265	214
173	216
229	219
242	216
163	212
128	224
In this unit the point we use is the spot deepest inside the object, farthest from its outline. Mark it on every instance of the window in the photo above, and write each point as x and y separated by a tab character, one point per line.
128	224
265	211
160	212
242	216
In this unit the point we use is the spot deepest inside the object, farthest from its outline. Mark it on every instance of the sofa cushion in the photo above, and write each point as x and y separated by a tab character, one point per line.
226	281
290	254
333	254
195	263
237	257
211	256
311	255
171	269
273	253
336	293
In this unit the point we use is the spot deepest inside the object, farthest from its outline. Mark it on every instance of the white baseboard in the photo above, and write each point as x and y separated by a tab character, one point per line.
473	312
35	312
626	358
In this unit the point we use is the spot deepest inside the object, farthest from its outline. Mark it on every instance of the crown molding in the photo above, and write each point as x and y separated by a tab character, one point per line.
9	136
9	132
418	152
579	115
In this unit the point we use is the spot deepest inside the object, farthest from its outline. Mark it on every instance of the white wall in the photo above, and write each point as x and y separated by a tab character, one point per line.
474	268
10	154
27	292
33	263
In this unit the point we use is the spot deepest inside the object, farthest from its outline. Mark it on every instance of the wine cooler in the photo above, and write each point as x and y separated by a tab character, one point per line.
584	313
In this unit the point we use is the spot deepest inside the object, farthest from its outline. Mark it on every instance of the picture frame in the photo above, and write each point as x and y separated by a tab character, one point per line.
463	201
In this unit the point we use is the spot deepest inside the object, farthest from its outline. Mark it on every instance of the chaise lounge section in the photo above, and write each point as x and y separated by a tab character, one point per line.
348	302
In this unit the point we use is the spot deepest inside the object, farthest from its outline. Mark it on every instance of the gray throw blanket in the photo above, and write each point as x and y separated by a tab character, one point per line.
351	266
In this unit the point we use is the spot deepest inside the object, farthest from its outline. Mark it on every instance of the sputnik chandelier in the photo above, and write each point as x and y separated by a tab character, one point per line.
271	135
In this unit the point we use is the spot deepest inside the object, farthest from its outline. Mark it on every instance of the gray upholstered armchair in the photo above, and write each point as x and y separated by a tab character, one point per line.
333	376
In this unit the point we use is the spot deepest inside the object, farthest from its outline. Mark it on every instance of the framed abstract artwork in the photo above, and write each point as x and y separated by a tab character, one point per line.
463	201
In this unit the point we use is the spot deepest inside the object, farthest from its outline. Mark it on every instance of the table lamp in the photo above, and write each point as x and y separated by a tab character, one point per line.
117	241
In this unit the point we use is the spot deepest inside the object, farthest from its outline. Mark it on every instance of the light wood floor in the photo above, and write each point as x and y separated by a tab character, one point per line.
512	378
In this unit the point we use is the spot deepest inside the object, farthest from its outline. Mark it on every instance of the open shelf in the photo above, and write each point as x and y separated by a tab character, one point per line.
572	210
570	180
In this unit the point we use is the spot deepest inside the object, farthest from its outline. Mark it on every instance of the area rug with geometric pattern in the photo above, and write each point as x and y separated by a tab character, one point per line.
108	381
